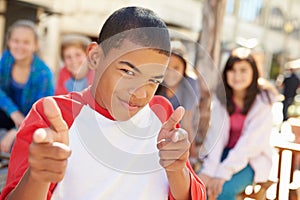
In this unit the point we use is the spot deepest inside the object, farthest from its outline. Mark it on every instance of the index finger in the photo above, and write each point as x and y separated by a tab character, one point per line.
174	119
53	114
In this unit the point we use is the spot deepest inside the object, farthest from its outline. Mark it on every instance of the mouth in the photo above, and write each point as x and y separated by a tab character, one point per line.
238	82
129	105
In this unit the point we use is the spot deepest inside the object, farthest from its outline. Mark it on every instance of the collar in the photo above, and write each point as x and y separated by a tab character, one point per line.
90	100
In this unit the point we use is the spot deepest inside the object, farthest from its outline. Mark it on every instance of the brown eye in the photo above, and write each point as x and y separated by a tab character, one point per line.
128	72
155	81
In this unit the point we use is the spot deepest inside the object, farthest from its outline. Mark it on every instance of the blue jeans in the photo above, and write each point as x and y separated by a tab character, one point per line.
237	183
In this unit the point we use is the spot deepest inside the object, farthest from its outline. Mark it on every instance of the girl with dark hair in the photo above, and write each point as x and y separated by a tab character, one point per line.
242	123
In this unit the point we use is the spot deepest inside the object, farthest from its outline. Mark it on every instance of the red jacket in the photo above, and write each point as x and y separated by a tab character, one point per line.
64	75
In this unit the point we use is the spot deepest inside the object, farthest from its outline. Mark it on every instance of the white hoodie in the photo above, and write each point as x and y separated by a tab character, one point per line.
253	146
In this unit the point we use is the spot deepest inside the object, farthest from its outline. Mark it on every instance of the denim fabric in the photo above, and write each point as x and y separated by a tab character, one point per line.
237	183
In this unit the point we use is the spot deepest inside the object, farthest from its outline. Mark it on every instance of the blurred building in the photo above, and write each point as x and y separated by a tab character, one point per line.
58	17
270	27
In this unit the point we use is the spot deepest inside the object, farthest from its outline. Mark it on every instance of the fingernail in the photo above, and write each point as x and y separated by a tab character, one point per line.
175	137
160	141
39	135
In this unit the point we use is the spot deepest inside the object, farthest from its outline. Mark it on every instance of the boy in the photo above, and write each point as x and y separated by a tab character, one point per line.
118	132
75	75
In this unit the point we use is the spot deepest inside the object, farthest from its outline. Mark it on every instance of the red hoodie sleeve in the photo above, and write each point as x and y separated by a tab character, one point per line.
35	119
197	190
163	109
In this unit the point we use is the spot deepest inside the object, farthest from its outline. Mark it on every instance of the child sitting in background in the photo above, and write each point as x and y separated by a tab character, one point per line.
181	88
24	78
240	129
75	75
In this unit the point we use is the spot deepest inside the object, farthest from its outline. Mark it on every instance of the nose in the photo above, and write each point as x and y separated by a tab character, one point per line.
73	59
138	92
236	74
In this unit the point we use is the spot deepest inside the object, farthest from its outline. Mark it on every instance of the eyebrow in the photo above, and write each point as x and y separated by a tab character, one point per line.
137	70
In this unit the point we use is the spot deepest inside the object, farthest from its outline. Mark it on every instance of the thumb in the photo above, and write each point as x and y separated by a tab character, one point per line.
41	136
174	119
171	123
58	124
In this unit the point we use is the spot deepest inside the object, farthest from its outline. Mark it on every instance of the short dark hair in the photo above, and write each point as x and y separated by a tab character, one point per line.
139	25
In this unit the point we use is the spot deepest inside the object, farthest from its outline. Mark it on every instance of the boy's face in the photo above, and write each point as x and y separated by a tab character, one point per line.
74	58
128	81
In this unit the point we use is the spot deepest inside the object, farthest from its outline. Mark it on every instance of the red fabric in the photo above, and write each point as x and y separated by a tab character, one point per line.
162	107
64	75
237	120
70	106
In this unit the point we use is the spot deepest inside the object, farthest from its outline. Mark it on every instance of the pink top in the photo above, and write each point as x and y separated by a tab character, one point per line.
237	120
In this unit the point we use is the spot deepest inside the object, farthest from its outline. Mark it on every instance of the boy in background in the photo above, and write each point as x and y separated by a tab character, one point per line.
75	75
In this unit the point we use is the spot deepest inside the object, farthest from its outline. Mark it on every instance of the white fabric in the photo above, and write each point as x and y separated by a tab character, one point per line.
253	146
104	165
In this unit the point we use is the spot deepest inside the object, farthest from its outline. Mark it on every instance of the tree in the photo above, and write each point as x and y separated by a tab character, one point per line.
207	58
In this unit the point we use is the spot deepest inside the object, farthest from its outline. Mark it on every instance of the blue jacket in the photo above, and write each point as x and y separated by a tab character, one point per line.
40	84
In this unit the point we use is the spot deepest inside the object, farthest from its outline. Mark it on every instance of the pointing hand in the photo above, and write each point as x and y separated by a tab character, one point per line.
49	151
173	143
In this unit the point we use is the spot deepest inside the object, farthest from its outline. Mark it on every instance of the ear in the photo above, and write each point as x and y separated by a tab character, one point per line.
94	55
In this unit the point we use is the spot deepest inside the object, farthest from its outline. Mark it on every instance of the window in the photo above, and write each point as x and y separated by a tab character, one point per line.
248	10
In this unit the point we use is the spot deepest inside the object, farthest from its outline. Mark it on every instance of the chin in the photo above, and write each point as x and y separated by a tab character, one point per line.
122	117
121	114
125	115
18	57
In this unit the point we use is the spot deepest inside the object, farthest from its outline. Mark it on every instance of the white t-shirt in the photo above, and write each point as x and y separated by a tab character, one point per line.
110	153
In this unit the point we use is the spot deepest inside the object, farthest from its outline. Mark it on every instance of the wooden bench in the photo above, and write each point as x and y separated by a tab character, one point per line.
256	191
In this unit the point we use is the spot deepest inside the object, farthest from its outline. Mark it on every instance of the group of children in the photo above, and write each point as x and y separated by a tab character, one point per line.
116	133
25	78
125	142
